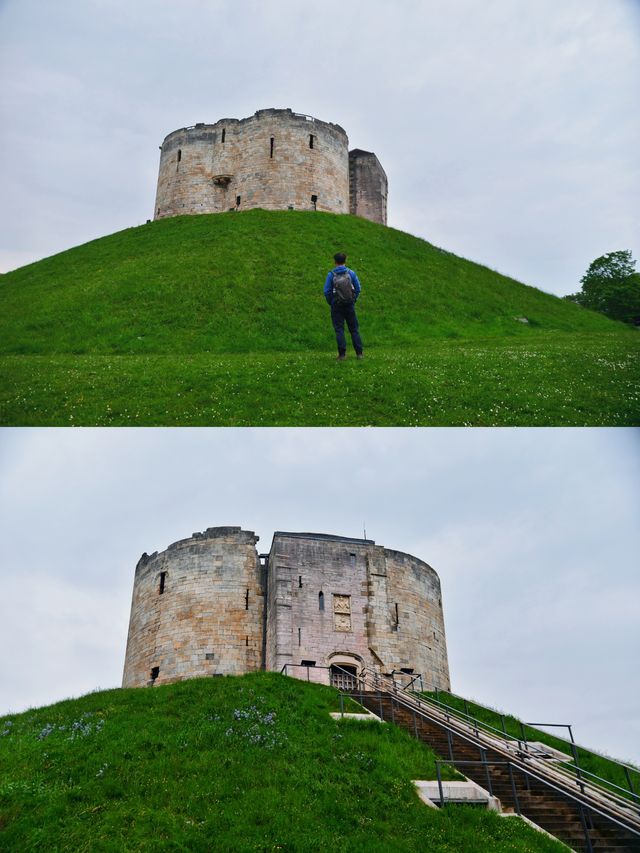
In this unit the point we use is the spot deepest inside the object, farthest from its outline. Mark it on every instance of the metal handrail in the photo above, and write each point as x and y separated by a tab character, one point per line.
568	726
455	712
592	790
457	733
414	678
576	768
566	794
285	666
584	802
535	751
389	685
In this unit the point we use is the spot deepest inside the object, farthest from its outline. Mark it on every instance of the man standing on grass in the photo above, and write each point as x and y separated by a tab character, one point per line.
341	290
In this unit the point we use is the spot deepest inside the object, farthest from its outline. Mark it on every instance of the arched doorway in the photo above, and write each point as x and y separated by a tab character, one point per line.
344	676
344	669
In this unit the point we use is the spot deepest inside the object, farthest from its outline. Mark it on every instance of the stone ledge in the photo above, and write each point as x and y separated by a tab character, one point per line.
464	791
367	717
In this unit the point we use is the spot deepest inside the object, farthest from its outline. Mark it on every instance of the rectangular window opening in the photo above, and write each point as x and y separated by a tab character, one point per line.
314	201
224	134
311	140
163	576
209	656
155	672
271	146
407	670
307	663
179	154
246	600
246	641
299	636
238	199
321	600
299	581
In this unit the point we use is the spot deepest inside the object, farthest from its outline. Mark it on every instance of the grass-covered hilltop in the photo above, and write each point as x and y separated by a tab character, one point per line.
227	764
220	320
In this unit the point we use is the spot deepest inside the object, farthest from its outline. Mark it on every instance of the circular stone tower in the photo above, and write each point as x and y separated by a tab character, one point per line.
196	610
276	159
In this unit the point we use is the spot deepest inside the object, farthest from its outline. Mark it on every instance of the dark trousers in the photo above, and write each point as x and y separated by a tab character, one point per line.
340	313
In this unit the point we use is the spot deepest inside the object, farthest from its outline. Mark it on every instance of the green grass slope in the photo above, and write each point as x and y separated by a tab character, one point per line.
185	319
233	764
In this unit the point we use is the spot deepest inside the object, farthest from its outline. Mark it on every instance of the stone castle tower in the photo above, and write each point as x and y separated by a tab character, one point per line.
275	159
211	605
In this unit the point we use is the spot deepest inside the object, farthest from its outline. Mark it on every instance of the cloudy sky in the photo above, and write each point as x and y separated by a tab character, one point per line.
533	532
509	130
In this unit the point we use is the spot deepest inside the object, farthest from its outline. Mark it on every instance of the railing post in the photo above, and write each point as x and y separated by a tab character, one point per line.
513	788
342	704
577	763
439	777
585	829
574	751
380	703
630	784
524	736
483	752
450	744
393	699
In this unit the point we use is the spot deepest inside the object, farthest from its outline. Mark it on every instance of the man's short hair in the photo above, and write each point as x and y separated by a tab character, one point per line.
339	257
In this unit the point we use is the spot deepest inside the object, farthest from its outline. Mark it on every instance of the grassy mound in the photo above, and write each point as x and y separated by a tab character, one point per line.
174	321
252	282
233	764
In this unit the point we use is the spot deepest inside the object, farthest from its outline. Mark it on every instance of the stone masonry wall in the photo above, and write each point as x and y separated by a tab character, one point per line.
199	609
392	601
300	568
368	186
208	618
413	636
275	159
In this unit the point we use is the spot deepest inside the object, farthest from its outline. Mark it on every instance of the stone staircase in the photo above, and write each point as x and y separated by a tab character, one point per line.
583	819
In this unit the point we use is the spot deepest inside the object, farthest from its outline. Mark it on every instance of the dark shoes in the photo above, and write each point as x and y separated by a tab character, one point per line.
341	357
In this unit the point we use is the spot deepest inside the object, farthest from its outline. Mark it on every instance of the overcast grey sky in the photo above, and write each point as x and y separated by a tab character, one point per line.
533	532
509	130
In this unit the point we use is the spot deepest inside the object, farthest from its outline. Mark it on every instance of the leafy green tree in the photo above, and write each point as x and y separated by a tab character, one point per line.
612	287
